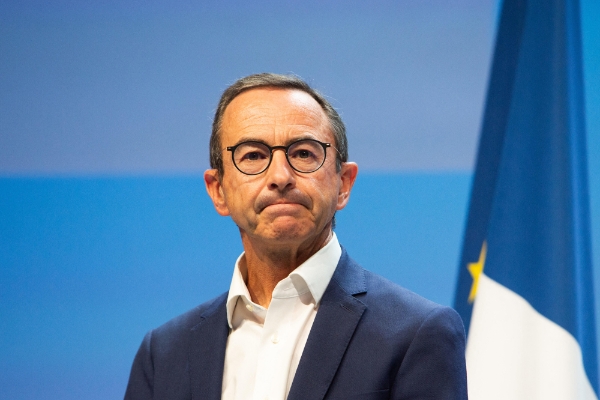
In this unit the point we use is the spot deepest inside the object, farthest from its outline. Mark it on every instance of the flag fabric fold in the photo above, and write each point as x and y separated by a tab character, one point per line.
525	287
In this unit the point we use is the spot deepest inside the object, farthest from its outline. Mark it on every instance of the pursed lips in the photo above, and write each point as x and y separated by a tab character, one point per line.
283	203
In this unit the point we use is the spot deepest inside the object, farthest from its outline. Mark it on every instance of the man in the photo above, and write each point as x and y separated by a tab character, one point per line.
301	320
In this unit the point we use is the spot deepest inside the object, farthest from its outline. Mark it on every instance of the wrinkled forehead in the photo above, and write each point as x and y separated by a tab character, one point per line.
274	114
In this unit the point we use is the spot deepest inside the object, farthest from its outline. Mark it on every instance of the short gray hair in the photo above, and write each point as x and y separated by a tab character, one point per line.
269	80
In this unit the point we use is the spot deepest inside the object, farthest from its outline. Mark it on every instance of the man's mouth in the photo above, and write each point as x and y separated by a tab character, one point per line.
283	203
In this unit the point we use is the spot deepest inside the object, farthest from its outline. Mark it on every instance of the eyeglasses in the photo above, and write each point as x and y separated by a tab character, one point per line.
253	158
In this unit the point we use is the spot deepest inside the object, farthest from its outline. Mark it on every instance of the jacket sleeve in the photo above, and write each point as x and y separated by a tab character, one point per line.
141	378
434	364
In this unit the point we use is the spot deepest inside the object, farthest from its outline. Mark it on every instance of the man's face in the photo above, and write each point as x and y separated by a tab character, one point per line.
280	205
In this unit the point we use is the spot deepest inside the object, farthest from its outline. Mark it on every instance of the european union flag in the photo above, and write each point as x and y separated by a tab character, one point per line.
525	284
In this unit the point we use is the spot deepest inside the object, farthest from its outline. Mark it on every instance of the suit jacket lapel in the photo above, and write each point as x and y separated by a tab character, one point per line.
208	341
338	316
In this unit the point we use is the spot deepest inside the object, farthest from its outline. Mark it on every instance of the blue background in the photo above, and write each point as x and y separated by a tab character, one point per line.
105	227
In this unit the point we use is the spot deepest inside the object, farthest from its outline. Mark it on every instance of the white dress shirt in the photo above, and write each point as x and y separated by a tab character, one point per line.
265	344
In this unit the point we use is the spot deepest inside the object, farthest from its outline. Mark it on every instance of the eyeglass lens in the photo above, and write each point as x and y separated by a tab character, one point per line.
303	156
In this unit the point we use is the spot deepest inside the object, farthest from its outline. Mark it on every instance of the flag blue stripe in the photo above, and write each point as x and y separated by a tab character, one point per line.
585	301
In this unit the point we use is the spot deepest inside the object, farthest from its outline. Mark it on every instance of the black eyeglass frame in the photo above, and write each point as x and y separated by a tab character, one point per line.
285	149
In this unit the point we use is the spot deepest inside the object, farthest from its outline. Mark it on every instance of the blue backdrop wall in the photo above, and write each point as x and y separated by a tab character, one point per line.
105	110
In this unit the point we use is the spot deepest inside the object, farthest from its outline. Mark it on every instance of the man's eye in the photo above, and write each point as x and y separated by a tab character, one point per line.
253	156
303	153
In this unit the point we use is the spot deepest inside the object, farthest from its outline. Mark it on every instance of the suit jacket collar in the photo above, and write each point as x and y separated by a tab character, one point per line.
338	316
349	275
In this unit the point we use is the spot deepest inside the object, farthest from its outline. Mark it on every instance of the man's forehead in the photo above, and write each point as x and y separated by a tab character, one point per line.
273	101
273	107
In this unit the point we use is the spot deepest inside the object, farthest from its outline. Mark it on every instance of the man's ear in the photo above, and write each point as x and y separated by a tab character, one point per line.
212	180
347	176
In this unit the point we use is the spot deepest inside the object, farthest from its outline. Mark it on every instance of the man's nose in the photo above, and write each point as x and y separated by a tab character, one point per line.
280	174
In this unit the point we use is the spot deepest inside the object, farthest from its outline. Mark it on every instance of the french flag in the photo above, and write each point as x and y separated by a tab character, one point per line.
525	287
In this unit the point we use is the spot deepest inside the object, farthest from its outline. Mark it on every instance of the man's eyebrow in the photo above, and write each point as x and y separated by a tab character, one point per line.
286	143
249	139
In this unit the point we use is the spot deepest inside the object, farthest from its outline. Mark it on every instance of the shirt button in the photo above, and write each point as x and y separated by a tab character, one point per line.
274	338
249	307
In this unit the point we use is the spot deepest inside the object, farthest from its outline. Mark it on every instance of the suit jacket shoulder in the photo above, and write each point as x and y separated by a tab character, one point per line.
182	356
408	309
432	347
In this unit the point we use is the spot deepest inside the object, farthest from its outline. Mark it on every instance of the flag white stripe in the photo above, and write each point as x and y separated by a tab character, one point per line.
514	352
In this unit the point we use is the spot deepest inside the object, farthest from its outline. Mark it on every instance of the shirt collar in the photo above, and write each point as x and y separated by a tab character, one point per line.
316	272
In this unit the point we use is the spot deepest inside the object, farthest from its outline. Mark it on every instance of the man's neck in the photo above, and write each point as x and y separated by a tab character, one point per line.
268	264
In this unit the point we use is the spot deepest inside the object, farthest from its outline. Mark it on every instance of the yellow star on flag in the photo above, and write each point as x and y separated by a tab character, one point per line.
476	269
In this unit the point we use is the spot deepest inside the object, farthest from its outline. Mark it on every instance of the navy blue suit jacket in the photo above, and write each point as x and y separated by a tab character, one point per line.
371	339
